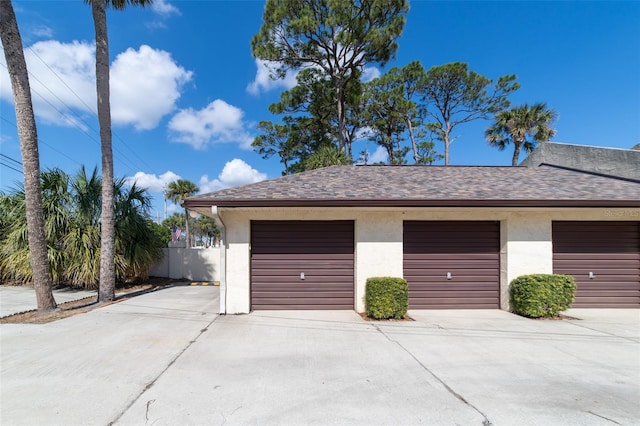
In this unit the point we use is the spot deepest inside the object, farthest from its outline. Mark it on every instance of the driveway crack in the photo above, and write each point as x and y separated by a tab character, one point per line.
602	417
151	383
630	339
485	422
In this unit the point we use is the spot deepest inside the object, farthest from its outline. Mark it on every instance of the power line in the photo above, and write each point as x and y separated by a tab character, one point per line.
131	166
12	159
2	163
40	141
88	107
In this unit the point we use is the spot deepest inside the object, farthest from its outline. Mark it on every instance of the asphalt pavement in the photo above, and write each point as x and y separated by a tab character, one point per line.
167	358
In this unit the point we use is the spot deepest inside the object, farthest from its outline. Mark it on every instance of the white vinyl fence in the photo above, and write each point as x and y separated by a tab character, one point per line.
195	264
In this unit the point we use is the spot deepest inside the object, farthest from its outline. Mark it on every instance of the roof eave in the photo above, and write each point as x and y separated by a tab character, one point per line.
194	203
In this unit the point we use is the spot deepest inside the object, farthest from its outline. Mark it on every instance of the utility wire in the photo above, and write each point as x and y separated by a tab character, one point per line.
12	159
88	107
2	163
40	141
123	158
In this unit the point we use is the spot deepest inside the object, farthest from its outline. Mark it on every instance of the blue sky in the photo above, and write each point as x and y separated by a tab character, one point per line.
187	94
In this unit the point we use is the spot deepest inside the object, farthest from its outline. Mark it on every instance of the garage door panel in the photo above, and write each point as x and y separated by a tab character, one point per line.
629	284
448	292
462	249
468	250
309	273
300	256
433	280
596	256
435	257
282	250
450	264
587	302
611	250
327	248
296	287
306	294
302	263
274	279
304	305
584	272
631	293
455	303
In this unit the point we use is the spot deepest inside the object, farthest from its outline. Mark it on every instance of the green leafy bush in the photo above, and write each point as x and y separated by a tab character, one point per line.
386	297
542	295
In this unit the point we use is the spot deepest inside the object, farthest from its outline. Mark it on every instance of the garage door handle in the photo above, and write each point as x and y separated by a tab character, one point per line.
302	275
449	275
591	276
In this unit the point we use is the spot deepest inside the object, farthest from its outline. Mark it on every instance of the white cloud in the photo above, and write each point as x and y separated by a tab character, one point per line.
156	25
370	73
145	85
164	8
218	122
42	31
62	80
263	83
235	173
152	182
172	208
378	156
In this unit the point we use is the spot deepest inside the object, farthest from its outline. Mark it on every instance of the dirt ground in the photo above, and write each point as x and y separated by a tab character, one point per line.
87	304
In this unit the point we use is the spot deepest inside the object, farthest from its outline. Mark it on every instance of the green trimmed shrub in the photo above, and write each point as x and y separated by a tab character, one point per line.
542	295
386	297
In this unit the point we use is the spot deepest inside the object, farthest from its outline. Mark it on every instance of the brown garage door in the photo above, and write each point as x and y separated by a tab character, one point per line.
608	250
452	265
283	250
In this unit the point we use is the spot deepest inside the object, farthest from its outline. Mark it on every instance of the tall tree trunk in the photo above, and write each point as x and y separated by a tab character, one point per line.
27	133
447	142
343	138
414	146
516	153
107	286
446	149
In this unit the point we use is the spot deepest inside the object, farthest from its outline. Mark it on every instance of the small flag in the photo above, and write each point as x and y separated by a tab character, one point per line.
175	235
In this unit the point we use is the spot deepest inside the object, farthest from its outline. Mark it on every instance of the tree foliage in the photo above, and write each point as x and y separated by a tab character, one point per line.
176	219
328	155
72	206
524	126
280	140
177	191
455	95
337	37
206	230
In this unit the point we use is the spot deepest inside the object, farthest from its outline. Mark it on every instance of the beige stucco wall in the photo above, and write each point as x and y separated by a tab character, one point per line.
526	245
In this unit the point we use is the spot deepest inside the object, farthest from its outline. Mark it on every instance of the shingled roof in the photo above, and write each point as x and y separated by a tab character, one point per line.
430	186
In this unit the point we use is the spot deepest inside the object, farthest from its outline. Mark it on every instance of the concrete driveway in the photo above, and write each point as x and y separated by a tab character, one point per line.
166	358
22	298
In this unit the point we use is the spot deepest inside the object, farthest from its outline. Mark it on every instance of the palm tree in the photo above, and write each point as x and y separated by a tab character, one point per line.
524	126
177	191
138	245
27	133
82	241
107	235
72	229
325	156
